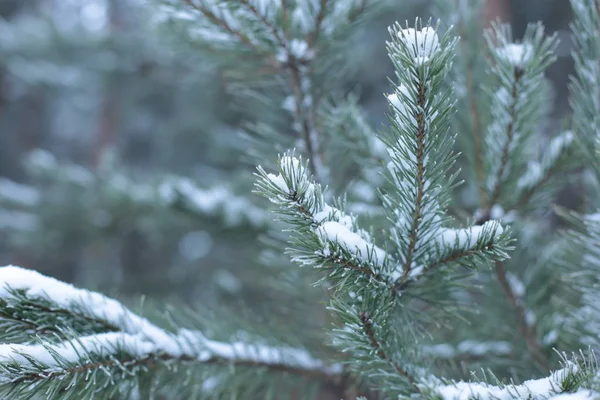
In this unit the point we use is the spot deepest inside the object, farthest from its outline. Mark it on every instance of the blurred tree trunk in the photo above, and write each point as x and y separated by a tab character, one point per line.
497	10
108	124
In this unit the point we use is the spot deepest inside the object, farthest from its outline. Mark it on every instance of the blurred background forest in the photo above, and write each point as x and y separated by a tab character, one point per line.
113	123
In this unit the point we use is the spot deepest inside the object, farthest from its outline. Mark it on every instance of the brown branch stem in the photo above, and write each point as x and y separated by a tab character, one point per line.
369	331
413	234
510	131
318	23
476	130
224	25
525	329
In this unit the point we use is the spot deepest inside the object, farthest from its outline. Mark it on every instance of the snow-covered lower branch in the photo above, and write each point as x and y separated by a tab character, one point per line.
121	342
556	386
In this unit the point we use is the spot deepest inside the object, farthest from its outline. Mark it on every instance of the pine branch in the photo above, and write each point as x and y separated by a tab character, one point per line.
517	102
123	346
572	381
368	327
526	330
318	22
509	133
222	23
413	234
585	86
325	234
539	173
475	246
267	24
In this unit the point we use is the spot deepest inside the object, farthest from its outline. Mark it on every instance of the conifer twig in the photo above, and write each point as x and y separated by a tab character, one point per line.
420	179
368	327
510	131
526	329
224	25
318	22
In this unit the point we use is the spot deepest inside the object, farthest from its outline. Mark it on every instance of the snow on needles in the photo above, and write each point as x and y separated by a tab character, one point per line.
67	297
469	238
332	231
516	54
138	337
535	389
421	43
331	225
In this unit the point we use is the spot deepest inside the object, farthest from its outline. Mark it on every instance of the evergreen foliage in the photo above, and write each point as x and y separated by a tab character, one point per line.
418	293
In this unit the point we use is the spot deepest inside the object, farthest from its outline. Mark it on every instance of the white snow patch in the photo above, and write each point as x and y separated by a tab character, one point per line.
138	337
468	238
336	232
535	388
516	54
422	43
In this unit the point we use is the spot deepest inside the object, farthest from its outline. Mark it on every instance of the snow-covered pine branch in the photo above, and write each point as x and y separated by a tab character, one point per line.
287	38
113	187
517	104
419	146
585	86
539	171
325	236
64	332
575	381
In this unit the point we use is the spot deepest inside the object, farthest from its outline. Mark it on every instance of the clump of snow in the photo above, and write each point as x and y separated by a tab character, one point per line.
329	213
353	243
421	43
228	281
532	389
279	182
300	49
517	286
516	54
42	162
67	297
469	237
536	171
559	143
